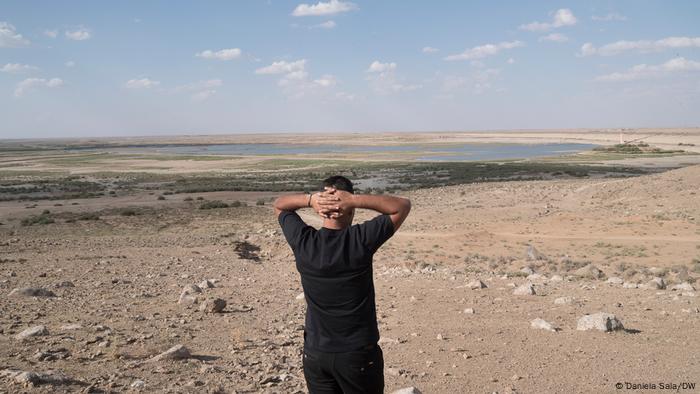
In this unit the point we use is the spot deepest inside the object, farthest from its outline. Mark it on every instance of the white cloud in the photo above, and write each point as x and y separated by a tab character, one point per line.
378	67
613	16
30	83
642	46
483	80
330	8
51	33
80	34
143	83
430	50
555	37
510	60
326	25
644	71
69	63
325	81
282	67
223	54
203	95
562	17
482	51
16	68
9	38
383	80
345	96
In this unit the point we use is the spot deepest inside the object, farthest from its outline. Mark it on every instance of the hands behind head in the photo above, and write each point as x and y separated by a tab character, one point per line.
332	203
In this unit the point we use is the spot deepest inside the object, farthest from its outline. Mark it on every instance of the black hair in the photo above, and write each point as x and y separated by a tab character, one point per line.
339	182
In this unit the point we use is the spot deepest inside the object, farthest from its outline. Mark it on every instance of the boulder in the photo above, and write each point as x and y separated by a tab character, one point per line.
177	352
525	289
213	305
476	284
685	286
542	325
407	390
657	284
564	300
206	284
556	278
32	292
614	280
35	331
629	285
189	295
599	321
590	272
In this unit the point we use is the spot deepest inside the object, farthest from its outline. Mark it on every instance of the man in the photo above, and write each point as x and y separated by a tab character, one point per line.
341	354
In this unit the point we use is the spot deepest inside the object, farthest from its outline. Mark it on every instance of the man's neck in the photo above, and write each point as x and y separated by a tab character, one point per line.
334	224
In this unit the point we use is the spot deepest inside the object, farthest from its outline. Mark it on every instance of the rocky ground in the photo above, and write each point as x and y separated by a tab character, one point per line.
486	288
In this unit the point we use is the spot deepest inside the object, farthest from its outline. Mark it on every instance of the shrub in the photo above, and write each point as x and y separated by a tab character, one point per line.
128	212
215	204
200	198
37	219
188	199
237	204
160	198
260	202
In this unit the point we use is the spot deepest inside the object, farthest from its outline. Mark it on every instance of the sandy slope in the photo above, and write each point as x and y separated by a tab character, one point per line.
128	273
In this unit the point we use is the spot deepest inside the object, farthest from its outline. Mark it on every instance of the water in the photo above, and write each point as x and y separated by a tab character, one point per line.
457	152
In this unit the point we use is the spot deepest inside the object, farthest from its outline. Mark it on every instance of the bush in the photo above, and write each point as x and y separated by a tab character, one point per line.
88	216
37	219
200	198
128	212
215	204
161	198
188	199
260	202
237	204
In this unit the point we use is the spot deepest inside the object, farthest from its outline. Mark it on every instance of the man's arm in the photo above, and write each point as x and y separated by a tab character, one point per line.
292	202
396	207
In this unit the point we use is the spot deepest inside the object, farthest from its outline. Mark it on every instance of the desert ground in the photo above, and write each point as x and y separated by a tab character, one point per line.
110	273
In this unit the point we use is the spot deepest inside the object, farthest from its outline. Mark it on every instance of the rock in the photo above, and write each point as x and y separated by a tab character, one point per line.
407	390
177	352
30	378
629	285
534	254
68	327
35	331
657	284
206	284
564	300
536	276
527	270
685	286
599	321
138	384
65	283
556	278
300	296
468	311
590	272
215	305
32	292
51	355
189	295
525	289
476	284
542	325
439	337
387	341
614	280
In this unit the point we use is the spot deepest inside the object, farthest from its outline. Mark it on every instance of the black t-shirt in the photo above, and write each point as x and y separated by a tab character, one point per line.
336	274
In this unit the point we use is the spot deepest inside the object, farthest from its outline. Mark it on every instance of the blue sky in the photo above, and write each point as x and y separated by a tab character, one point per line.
86	68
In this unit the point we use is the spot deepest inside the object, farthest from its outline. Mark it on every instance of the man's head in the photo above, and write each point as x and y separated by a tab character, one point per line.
340	182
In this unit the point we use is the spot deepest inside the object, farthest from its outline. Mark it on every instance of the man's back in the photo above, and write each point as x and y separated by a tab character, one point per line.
336	275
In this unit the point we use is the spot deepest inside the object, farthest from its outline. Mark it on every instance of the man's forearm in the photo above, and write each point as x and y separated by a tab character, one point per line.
291	202
388	205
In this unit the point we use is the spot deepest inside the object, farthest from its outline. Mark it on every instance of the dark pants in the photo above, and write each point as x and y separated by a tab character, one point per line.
360	371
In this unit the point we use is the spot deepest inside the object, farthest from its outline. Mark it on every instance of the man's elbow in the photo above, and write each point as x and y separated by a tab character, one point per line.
406	205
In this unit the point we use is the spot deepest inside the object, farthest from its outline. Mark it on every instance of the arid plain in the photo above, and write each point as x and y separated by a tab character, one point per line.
103	247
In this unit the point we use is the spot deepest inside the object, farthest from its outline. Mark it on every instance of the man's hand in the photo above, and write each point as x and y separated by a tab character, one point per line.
333	203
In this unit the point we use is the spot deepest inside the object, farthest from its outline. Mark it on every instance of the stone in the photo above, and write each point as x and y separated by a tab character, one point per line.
533	254
527	270
65	283
536	276
177	352
564	300
629	285
614	280
542	325
300	296
657	283
590	272
138	384
556	278
213	305
69	327
476	284
525	289
599	321
31	378
206	284
685	286
32	292
189	295
407	390
468	311
35	331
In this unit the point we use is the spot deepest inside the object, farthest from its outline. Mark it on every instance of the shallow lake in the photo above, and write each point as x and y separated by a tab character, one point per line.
456	152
